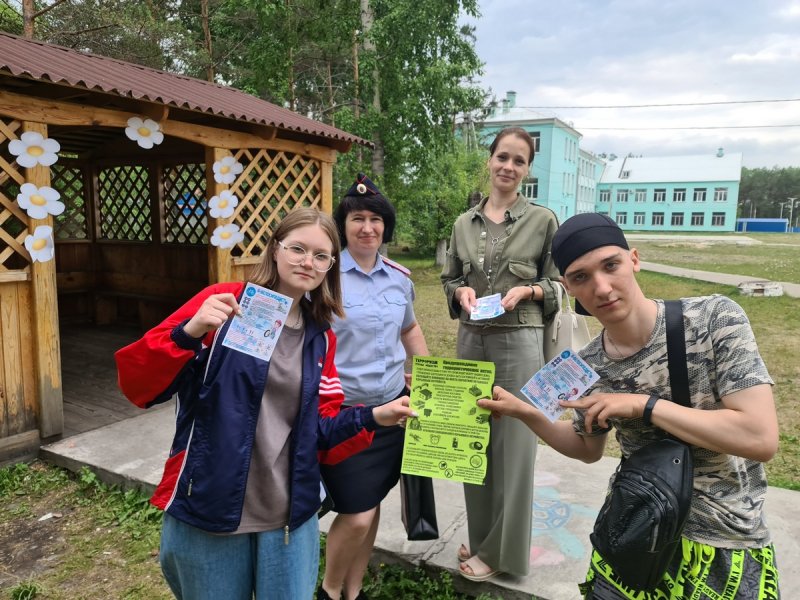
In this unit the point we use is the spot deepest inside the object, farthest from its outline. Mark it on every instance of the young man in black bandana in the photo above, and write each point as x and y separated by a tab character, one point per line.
731	426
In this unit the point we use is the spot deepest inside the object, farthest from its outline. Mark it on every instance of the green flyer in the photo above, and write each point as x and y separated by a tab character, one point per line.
449	438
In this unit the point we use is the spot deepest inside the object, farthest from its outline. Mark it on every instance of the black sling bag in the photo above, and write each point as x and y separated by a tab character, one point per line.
638	529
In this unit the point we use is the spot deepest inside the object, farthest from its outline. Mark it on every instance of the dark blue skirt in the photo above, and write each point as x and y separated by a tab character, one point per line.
362	481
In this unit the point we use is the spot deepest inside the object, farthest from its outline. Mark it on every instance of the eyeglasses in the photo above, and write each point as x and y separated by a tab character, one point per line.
296	255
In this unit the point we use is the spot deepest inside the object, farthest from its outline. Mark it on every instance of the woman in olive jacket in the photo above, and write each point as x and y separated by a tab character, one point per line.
502	245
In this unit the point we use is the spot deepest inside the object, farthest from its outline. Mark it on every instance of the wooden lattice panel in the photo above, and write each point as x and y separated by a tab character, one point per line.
13	220
185	205
73	223
270	186
124	204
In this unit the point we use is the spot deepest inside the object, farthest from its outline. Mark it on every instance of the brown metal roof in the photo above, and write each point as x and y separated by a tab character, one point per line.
49	63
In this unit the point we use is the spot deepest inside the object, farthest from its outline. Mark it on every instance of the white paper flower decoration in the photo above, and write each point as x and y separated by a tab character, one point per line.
32	149
145	132
226	170
226	236
40	244
39	202
221	207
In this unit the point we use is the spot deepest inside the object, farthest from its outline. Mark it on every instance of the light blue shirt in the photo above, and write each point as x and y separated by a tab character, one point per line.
369	354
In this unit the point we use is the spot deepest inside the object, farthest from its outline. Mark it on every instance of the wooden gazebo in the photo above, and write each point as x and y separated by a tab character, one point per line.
134	238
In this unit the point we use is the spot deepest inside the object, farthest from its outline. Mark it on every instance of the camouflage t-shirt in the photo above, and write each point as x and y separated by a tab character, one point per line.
722	358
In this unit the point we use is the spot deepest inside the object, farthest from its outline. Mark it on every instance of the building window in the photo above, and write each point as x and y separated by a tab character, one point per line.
641	195
605	195
658	219
625	175
536	139
720	194
697	218
718	219
700	194
679	195
622	218
622	195
659	195
677	220
638	218
530	188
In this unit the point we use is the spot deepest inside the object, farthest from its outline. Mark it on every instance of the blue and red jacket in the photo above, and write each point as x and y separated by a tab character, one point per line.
218	393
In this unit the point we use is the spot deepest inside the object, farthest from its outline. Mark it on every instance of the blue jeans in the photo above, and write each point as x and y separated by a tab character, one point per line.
200	565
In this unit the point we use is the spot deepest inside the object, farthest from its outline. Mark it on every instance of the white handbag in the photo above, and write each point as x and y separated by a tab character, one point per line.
566	329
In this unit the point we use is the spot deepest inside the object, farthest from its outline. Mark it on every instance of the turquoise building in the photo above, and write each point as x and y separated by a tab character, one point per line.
677	193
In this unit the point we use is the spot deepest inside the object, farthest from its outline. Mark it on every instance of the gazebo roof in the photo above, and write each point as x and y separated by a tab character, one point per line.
51	64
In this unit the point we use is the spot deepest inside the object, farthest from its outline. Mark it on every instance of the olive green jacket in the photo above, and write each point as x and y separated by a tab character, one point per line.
521	258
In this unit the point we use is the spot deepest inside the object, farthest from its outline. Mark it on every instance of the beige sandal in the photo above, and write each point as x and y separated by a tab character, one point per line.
473	564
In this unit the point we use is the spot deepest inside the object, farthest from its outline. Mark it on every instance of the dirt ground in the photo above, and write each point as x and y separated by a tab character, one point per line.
55	541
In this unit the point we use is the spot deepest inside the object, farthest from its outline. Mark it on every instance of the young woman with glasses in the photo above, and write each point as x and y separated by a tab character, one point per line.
376	334
241	486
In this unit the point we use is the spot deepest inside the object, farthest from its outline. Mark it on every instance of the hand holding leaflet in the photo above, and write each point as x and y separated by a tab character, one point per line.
566	377
487	307
256	330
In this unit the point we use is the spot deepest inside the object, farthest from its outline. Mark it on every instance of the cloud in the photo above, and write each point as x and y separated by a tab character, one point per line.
585	53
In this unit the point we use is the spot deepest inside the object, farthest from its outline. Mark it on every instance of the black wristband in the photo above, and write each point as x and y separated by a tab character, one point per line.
648	409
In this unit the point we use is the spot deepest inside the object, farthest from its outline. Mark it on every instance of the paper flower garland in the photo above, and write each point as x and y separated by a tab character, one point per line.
32	149
226	236
40	244
39	202
145	132
221	207
226	170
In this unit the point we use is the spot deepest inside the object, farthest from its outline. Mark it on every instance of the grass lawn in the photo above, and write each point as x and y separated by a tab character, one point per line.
775	321
776	258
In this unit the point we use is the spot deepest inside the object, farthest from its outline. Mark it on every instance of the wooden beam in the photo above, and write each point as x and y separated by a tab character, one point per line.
21	446
327	187
6	276
219	259
46	340
53	112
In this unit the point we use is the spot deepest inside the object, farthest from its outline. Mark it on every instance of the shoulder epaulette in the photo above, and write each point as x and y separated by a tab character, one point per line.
395	265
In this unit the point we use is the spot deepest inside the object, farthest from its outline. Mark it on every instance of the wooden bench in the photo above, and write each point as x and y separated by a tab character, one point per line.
151	309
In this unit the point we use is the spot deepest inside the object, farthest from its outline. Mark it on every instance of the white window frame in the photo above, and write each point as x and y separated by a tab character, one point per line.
638	218
640	195
718	219
659	195
679	195
699	195
622	195
657	219
698	219
621	218
720	194
605	195
676	219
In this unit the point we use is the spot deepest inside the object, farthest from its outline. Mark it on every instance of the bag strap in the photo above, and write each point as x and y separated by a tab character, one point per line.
676	352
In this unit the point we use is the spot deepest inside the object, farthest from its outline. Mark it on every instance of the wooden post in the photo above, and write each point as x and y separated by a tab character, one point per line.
46	342
327	186
220	268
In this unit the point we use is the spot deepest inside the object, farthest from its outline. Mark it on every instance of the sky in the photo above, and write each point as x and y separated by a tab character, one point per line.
563	57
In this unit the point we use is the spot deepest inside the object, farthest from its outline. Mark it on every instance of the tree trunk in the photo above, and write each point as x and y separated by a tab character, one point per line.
356	93
28	10
207	39
441	252
367	20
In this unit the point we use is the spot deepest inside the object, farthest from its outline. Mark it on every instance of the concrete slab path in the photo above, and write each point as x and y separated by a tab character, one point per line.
568	495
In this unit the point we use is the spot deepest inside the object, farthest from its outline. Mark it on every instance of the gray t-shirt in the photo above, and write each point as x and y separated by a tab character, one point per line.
266	499
722	358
